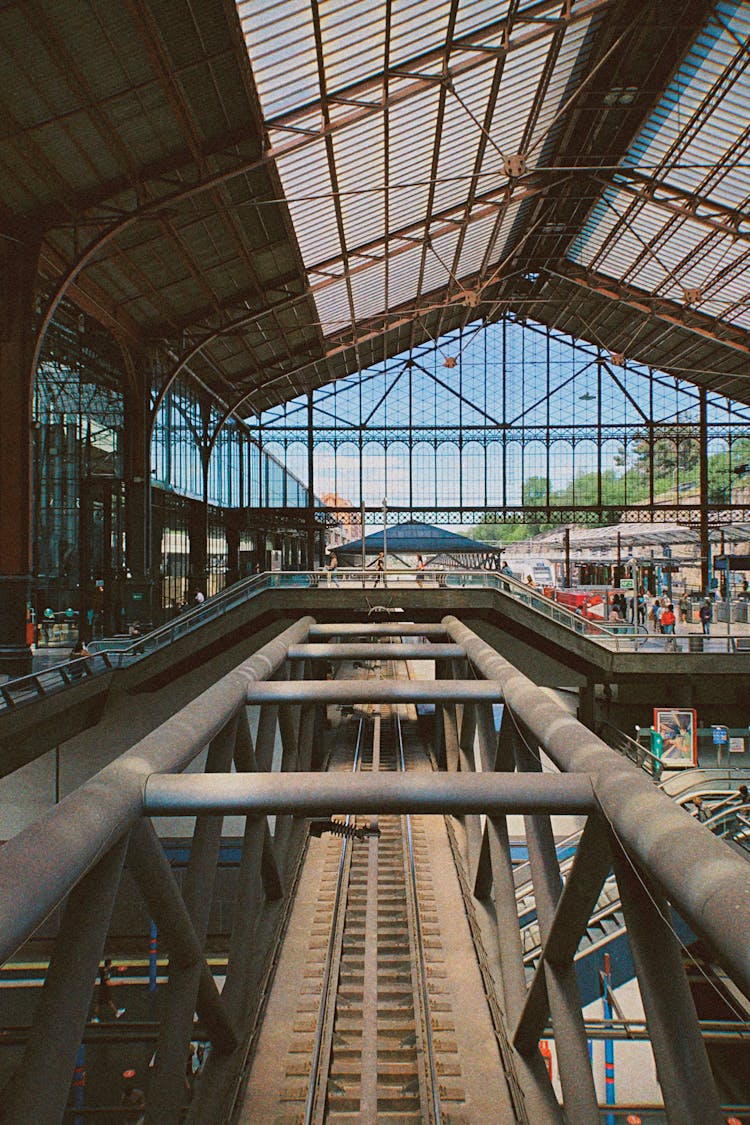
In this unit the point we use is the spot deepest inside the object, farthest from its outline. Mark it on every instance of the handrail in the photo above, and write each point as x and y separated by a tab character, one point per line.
620	637
631	748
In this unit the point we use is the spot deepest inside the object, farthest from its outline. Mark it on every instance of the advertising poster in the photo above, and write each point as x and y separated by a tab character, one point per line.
678	729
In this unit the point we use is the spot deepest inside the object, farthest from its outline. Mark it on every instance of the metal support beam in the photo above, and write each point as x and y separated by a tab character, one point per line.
374	691
166	1094
590	868
712	891
18	273
336	652
681	1061
315	794
378	629
576	1079
42	864
39	1090
151	870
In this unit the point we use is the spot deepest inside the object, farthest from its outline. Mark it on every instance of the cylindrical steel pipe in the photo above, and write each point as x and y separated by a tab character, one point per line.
378	629
376	652
40	865
705	881
374	691
320	794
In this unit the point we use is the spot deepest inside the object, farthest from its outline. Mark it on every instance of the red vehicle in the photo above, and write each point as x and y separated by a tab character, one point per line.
586	603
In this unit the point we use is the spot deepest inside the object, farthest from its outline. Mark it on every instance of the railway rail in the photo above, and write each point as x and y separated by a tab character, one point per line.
373	1033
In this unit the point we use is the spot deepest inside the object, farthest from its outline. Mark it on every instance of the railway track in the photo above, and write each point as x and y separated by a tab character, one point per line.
373	1038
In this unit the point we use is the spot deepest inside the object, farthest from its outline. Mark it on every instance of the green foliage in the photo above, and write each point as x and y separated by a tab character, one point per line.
631	484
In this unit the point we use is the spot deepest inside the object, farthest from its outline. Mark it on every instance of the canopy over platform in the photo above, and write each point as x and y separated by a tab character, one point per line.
415	538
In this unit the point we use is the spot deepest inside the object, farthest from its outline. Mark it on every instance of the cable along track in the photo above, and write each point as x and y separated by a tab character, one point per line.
374	1035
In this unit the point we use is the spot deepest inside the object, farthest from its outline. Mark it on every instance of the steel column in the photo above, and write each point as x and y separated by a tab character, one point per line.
18	274
247	908
681	1061
591	866
166	1092
39	1091
149	866
245	762
576	1079
698	873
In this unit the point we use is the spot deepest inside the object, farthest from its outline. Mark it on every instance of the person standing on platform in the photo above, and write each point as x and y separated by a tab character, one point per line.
379	568
333	565
104	1001
706	615
668	620
420	570
684	607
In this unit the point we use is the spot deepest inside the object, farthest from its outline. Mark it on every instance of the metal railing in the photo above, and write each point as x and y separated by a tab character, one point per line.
121	652
37	685
632	749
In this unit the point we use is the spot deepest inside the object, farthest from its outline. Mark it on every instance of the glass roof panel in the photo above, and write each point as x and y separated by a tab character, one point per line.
568	67
278	30
460	135
704	114
478	238
696	140
403	274
411	140
308	188
523	69
346	22
476	14
360	162
333	307
417	26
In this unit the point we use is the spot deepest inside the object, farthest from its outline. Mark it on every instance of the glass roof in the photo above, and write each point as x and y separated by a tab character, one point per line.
391	128
673	230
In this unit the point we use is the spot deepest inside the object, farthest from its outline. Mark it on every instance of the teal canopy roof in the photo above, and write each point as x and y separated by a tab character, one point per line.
417	538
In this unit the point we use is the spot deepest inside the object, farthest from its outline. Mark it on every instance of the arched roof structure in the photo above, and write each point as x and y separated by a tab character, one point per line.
285	191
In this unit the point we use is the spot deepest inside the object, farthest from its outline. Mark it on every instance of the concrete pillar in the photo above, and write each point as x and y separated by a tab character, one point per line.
18	272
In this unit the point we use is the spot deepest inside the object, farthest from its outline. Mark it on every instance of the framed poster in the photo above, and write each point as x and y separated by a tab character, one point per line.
678	728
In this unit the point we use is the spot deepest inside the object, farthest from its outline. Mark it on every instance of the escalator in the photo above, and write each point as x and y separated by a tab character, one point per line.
606	928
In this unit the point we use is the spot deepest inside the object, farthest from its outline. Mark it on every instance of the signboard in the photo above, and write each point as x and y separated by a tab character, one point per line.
720	736
737	745
732	562
626	583
678	728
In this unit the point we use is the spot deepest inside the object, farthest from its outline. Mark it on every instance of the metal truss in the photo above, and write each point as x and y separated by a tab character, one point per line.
74	855
592	516
501	435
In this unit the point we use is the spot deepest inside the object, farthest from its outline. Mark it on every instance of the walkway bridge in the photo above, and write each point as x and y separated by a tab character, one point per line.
544	639
362	958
